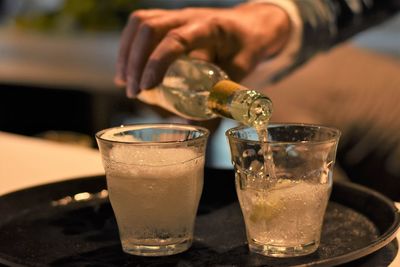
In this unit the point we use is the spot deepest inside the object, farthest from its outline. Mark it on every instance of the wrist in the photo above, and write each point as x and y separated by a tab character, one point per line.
294	40
272	23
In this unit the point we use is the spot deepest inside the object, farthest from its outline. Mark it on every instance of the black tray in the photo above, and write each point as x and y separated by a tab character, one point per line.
44	226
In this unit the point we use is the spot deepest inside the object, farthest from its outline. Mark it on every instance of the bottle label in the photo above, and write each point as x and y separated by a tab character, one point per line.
221	96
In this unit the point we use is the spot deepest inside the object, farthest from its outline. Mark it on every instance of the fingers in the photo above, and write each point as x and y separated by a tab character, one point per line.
140	50
153	39
148	34
128	35
190	37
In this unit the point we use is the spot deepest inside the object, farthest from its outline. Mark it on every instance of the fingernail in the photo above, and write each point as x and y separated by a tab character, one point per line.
120	82
132	88
120	71
129	94
148	81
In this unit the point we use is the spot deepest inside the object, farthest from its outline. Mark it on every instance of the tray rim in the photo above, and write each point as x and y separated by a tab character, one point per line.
383	239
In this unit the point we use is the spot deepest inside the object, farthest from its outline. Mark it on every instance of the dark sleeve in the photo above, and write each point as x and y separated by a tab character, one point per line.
327	22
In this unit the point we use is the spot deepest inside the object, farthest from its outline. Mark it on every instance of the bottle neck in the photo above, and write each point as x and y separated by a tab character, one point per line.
220	97
231	100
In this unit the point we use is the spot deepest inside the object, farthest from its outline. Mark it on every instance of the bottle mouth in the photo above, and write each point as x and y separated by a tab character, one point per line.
260	112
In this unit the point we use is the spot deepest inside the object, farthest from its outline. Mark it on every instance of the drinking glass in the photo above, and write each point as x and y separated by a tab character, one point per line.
154	177
283	185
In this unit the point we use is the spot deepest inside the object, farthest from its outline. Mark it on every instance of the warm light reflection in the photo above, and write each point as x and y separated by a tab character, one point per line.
103	193
82	196
64	201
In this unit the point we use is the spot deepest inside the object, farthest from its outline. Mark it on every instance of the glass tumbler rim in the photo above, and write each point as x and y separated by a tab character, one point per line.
334	138
204	133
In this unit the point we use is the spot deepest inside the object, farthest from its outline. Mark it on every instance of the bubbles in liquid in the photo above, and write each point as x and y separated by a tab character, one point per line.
248	153
145	156
289	212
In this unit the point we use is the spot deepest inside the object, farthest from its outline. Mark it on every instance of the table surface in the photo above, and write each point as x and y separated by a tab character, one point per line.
28	161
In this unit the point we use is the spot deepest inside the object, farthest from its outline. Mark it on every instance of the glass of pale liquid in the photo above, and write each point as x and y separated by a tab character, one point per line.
155	179
283	185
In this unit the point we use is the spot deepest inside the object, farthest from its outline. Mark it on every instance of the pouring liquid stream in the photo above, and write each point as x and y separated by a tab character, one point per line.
269	166
261	111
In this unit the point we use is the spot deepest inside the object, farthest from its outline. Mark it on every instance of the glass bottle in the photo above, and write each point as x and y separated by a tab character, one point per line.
199	90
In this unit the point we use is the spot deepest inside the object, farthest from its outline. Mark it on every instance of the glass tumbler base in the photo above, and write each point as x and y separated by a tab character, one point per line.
156	250
283	251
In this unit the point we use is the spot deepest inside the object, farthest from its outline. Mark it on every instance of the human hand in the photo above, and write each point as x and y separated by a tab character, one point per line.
236	39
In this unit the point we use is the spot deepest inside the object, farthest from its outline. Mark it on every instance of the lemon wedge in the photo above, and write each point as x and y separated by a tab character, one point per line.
270	203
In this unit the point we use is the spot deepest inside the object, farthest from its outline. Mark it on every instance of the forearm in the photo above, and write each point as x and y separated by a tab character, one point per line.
327	22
